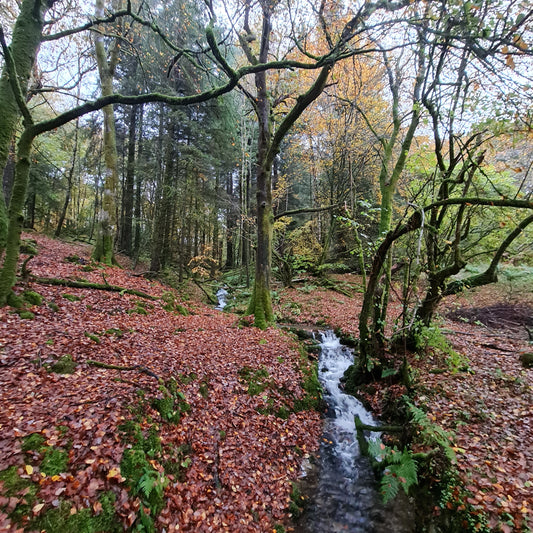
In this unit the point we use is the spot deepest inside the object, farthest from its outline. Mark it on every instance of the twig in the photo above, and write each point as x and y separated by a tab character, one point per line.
138	368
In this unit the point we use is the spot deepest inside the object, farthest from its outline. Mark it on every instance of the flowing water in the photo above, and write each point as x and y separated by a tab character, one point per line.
342	488
222	297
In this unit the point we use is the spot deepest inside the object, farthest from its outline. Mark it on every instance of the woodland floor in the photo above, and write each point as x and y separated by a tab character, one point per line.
235	465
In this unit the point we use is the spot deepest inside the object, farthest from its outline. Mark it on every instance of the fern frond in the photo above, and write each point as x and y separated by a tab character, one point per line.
389	486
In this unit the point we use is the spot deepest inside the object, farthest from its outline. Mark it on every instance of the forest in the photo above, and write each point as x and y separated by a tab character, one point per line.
358	166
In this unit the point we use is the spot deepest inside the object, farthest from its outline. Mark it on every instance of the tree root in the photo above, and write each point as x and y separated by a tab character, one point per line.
88	285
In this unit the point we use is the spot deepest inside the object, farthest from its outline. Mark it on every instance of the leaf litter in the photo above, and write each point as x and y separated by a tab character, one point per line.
242	461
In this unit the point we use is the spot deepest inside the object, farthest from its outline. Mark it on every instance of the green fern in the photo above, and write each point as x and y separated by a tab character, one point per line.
399	468
432	433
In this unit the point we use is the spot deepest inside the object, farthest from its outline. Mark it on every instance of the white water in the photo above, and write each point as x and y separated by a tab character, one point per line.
222	297
343	495
333	362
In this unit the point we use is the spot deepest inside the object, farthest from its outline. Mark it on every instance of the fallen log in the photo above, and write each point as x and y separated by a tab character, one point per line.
76	284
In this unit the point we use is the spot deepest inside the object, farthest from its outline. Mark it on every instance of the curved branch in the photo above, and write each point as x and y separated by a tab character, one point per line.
305	210
489	275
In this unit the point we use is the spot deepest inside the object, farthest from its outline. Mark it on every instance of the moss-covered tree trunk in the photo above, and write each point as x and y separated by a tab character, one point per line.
261	302
107	217
24	48
392	166
15	218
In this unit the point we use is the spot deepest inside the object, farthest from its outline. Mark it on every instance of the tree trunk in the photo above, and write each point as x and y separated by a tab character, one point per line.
160	253
138	191
15	218
24	48
126	227
261	304
107	223
70	177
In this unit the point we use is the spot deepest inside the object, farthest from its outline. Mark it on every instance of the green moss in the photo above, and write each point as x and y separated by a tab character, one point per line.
25	315
14	300
53	306
139	309
134	461
171	305
29	247
32	297
33	442
13	485
204	389
186	379
283	412
172	403
258	379
71	297
297	503
93	336
312	399
12	482
527	359
114	331
65	365
55	461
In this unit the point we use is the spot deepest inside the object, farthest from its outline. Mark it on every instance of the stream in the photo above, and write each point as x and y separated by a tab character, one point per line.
342	489
222	297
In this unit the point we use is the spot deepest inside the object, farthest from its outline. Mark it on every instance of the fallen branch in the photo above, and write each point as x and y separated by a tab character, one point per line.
88	285
138	368
361	440
210	297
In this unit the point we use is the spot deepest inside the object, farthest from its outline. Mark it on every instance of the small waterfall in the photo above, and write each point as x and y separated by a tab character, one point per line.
222	297
343	489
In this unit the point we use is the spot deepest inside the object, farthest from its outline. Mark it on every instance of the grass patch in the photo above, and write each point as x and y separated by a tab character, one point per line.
61	519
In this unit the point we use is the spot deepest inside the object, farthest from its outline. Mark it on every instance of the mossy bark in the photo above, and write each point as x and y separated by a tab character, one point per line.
24	47
15	218
261	303
107	218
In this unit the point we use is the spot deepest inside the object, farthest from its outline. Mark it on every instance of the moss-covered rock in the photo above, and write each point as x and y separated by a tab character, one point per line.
32	297
65	365
526	359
